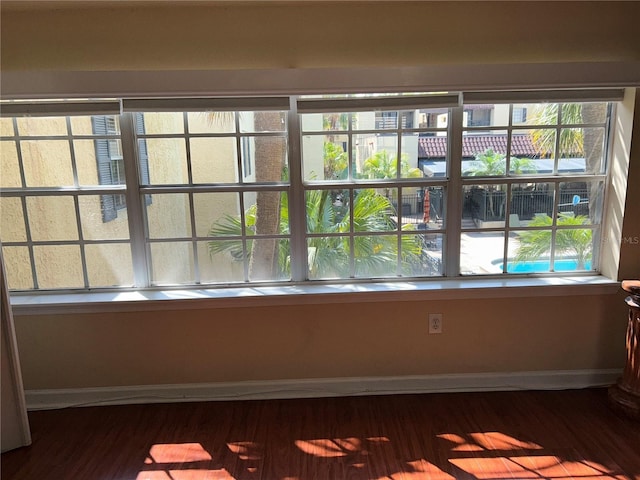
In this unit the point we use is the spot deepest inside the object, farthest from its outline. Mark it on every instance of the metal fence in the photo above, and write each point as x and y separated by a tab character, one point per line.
489	205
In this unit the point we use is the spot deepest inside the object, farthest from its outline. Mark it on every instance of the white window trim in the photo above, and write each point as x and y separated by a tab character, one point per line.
286	295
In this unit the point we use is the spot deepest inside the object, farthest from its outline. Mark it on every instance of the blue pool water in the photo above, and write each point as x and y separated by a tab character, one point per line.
539	266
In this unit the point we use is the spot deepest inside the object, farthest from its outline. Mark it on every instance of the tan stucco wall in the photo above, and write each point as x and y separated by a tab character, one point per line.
48	163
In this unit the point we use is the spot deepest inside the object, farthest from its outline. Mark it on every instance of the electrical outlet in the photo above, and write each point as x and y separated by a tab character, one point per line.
435	323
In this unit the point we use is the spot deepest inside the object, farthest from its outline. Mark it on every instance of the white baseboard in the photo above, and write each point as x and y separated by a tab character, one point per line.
321	387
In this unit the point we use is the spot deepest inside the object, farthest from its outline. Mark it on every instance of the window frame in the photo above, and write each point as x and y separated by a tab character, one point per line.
134	192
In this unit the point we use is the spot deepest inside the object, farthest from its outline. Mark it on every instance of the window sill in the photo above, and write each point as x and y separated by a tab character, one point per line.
451	289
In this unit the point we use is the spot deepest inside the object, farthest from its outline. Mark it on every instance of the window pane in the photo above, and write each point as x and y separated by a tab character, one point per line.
582	200
374	120
481	253
375	156
248	158
211	122
375	210
430	204
325	157
327	211
484	155
411	207
520	114
167	160
52	218
12	220
385	120
488	115
376	255
86	162
581	150
169	216
484	206
42	126
535	114
530	200
328	257
109	265
422	254
579	113
531	249
217	214
263	121
261	265
409	167
58	266
266	213
574	249
9	167
532	152
270	160
171	263
94	226
318	122
47	163
6	127
81	125
221	261
214	160
17	264
433	154
162	123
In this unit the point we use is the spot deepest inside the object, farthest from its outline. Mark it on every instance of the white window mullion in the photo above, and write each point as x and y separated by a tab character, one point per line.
135	204
297	199
454	199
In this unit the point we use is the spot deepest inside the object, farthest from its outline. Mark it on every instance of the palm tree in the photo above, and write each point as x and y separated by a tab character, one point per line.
329	255
381	165
573	242
493	164
336	161
269	167
587	143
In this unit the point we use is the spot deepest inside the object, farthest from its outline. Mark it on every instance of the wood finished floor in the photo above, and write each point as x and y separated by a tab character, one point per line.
483	436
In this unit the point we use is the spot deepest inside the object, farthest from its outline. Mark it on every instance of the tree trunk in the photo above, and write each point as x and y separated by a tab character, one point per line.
270	154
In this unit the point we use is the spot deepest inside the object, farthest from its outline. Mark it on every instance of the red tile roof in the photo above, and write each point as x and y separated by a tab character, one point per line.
436	147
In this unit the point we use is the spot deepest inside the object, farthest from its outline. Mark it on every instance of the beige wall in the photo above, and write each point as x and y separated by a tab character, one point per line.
332	340
492	335
184	35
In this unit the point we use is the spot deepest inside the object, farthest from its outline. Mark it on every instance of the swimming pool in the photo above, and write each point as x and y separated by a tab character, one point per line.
539	266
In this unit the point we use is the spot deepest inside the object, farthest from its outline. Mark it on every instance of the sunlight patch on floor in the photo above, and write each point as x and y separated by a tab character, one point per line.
195	474
531	466
177	453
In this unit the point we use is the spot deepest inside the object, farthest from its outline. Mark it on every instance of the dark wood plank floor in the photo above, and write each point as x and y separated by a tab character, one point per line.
483	436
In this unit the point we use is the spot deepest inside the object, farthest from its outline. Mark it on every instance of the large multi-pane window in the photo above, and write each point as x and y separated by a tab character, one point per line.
224	192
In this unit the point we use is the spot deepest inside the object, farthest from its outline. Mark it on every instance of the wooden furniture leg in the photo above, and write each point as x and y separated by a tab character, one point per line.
624	396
